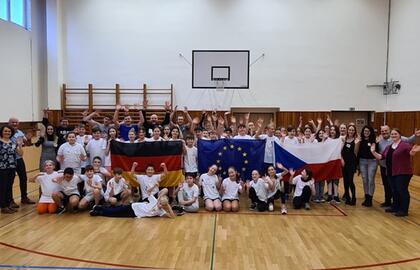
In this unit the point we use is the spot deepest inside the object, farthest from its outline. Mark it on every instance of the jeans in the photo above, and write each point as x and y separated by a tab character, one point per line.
401	195
23	179
368	171
387	185
319	190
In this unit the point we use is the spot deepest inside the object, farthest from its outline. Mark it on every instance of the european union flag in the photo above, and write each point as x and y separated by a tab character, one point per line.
244	155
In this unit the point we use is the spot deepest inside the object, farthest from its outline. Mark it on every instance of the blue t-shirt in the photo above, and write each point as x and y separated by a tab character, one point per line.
124	129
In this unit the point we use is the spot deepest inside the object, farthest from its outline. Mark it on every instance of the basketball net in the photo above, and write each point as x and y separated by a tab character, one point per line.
220	85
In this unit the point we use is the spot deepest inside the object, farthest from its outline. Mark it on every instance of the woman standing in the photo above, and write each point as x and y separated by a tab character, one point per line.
367	163
8	151
399	171
49	141
349	160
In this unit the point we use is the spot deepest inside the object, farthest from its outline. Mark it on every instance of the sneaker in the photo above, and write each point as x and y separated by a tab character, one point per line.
60	210
180	212
14	205
401	214
337	199
253	207
270	207
307	206
385	204
283	210
390	210
329	199
26	201
7	210
322	200
317	201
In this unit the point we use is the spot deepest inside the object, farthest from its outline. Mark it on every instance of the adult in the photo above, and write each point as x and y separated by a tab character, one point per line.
397	157
349	162
20	163
48	141
62	130
127	124
150	125
104	126
383	142
367	163
185	127
71	154
8	151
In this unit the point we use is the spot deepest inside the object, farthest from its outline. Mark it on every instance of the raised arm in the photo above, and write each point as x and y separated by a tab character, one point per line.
133	168
88	118
166	121
187	117
165	171
116	114
415	150
171	116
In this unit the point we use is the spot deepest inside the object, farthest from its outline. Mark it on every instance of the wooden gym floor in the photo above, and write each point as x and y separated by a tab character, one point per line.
326	237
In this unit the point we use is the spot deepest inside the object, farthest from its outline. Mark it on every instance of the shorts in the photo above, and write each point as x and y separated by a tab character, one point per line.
66	198
118	197
231	200
89	196
217	199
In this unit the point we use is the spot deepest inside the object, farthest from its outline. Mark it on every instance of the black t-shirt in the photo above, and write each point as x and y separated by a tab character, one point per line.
149	126
350	158
364	150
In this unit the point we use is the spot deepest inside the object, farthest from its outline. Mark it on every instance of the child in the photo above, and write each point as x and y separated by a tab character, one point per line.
100	171
116	189
149	183
242	133
93	188
332	184
210	184
257	192
190	156
48	187
291	138
188	194
230	190
69	195
96	147
154	208
304	188
279	188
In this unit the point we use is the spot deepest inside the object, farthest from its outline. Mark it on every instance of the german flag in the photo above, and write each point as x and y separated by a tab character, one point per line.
169	152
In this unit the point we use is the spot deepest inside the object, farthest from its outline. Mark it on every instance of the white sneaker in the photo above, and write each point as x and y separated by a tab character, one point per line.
283	210
270	207
307	206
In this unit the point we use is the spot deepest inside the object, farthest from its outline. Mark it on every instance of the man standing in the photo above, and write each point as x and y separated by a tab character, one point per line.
383	141
20	163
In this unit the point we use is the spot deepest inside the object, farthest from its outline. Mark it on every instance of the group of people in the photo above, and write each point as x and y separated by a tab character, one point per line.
76	170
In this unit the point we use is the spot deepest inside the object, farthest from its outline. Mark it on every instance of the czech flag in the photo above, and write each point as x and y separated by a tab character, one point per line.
169	152
323	159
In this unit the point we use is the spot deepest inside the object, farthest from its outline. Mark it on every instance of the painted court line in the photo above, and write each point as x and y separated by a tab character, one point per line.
76	259
8	266
370	265
213	252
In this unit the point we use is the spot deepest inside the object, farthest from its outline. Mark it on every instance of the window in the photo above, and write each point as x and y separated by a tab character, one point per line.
16	11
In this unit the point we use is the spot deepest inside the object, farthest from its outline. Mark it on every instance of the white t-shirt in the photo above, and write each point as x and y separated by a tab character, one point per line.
147	182
232	189
47	187
70	187
96	148
71	154
149	209
291	141
277	186
81	139
261	188
190	192
209	186
190	160
310	140
300	185
244	137
269	147
153	139
118	187
96	179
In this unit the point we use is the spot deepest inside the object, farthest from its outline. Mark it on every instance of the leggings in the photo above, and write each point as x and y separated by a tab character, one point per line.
348	176
6	186
299	201
261	205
